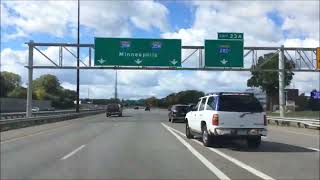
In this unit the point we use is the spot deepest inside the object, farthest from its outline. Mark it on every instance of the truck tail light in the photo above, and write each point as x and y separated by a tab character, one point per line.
215	120
265	122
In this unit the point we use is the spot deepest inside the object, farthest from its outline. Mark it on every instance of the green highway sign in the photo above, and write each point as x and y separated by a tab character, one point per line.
137	52
223	53
231	36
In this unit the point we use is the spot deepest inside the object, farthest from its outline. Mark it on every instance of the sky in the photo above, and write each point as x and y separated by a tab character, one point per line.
264	23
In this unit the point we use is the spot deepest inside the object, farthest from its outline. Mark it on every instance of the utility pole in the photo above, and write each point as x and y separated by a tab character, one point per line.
281	82
116	87
78	63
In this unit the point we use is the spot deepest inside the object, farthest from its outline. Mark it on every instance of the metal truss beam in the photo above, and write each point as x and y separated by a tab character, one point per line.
183	47
165	68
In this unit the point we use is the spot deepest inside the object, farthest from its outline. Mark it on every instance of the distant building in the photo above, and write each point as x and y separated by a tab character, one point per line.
291	96
260	95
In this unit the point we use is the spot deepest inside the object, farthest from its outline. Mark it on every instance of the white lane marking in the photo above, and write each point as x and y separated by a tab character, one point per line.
315	149
73	152
295	132
30	135
235	161
205	161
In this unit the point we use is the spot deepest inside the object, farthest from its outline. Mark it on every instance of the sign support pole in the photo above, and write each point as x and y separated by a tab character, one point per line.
281	82
78	63
30	77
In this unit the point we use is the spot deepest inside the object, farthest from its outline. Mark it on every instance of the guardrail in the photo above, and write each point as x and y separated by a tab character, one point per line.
15	115
299	122
24	122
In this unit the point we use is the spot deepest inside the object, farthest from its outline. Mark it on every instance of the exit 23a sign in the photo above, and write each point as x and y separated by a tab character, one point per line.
230	35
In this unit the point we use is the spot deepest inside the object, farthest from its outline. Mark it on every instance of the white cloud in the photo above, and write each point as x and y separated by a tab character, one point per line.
105	18
251	18
308	43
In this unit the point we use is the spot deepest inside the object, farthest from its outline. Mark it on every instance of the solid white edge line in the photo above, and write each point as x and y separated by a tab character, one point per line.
205	161
73	152
235	161
315	149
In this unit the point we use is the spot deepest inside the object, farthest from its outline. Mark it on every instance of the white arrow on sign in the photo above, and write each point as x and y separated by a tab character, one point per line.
101	61
174	62
138	61
224	61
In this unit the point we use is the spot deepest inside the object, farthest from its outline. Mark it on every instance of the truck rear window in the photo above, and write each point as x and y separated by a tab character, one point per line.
236	103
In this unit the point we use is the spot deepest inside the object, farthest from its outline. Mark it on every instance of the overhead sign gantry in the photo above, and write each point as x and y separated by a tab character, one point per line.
165	54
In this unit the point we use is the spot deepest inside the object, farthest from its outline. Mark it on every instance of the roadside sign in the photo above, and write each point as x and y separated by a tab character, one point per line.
318	57
137	52
223	53
315	94
231	36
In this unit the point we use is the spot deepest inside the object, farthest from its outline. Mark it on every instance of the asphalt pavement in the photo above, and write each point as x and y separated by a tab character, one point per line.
144	145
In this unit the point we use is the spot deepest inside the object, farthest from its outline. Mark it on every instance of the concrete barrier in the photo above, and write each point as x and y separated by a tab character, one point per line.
25	122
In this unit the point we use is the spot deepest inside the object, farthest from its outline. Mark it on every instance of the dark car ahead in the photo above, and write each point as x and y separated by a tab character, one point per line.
114	109
147	108
178	112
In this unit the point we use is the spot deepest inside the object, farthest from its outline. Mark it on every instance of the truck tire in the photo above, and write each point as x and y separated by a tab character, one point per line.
254	142
206	137
188	131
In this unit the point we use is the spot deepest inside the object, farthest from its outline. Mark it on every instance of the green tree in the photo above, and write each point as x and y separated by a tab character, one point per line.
49	83
66	99
40	93
268	81
9	81
302	102
189	96
18	92
183	97
152	101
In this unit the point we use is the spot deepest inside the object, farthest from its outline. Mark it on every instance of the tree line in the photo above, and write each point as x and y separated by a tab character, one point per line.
46	87
182	97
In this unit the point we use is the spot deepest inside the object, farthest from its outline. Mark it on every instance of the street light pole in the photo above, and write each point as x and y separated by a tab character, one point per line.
78	49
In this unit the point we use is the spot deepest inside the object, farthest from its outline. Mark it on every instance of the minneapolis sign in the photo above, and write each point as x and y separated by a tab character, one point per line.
137	52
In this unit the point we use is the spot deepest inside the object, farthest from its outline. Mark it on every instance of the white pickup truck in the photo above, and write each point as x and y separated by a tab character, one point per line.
227	115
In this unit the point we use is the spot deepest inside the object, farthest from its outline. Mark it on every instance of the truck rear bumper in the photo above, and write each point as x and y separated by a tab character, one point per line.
239	131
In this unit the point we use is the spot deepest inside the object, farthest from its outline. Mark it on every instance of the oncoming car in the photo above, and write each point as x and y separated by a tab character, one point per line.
227	115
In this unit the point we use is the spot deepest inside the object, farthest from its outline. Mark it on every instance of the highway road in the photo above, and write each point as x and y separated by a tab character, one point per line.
144	145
